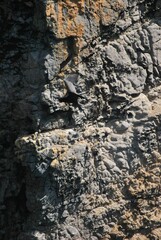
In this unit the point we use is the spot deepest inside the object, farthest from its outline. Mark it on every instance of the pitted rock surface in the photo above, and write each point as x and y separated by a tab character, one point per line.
91	170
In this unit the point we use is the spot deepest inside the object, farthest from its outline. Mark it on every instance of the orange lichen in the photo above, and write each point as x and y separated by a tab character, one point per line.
50	10
67	16
55	163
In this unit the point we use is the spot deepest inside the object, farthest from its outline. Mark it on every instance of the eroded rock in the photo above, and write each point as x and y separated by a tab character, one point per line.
90	170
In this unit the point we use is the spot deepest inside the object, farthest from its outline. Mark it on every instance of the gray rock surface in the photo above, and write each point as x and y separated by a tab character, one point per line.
86	171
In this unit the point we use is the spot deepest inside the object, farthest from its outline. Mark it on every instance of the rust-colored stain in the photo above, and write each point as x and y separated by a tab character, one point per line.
69	17
64	14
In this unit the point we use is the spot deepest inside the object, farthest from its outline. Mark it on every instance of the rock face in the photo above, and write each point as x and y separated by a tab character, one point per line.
89	170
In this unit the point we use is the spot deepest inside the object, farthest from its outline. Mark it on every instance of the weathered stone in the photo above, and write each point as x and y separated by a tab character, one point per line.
86	170
72	231
138	236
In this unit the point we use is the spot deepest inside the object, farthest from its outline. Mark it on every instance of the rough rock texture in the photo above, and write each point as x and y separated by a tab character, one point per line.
86	171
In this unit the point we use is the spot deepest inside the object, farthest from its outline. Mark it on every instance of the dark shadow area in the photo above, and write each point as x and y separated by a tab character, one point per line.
22	55
16	214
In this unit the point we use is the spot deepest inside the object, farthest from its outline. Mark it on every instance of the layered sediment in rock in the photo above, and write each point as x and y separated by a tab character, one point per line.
89	170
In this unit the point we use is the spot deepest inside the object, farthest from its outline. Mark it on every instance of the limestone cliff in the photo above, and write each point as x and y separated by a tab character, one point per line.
91	170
